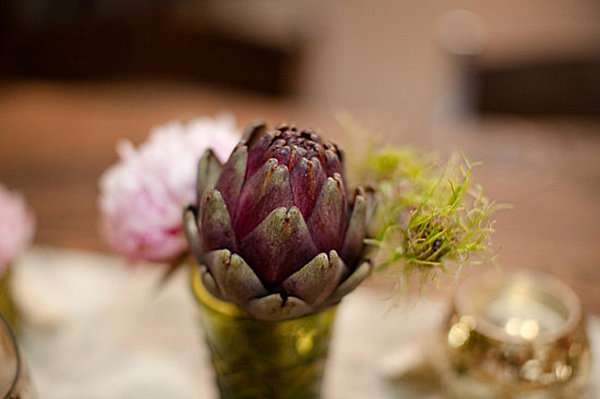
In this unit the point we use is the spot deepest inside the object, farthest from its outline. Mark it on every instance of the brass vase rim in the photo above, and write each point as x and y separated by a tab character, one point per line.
491	284
209	301
15	348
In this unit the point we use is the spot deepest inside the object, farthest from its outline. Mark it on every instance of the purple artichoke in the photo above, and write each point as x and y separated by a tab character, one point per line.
274	229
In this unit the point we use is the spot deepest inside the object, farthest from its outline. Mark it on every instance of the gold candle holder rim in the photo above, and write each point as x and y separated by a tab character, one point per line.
544	283
209	301
15	349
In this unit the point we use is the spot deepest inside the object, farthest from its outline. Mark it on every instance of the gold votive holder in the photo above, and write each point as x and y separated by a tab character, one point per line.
15	380
515	334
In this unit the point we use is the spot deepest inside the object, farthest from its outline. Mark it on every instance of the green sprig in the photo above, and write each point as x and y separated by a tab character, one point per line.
430	219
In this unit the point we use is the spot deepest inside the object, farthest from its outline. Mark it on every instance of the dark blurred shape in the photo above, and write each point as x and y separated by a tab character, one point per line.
567	87
105	39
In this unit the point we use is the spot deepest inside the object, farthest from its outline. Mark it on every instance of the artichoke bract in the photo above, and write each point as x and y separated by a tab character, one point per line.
274	229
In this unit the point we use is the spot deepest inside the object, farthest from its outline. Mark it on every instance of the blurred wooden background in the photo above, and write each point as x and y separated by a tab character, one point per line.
57	138
514	85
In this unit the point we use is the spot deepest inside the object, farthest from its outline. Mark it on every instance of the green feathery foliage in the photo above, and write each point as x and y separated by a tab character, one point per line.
430	219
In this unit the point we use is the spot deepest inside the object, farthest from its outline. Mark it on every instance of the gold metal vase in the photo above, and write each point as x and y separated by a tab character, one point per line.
263	359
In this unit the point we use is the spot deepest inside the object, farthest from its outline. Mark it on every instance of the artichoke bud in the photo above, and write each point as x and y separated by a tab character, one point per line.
274	229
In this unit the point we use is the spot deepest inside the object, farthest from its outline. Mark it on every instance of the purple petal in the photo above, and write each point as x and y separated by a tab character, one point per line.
253	132
257	151
357	229
281	154
307	179
317	279
333	163
267	189
209	282
279	246
274	307
236	280
209	169
217	231
353	281
232	177
192	233
327	224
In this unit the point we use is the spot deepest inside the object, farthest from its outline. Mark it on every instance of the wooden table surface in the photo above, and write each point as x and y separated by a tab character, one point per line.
57	138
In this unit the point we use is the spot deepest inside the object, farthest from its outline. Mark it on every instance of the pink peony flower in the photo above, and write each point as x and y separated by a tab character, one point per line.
17	224
142	197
